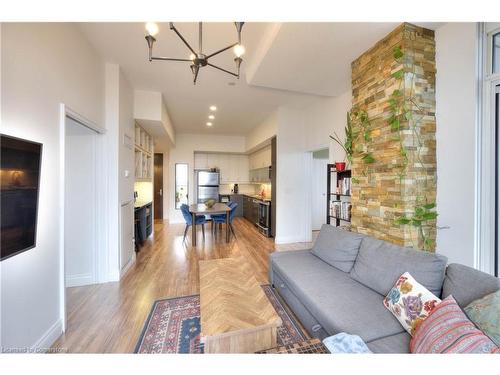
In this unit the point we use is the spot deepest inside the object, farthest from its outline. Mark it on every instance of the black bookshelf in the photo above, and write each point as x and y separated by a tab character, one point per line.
333	195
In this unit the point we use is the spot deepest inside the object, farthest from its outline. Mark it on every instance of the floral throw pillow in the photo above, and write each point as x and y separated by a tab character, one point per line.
410	302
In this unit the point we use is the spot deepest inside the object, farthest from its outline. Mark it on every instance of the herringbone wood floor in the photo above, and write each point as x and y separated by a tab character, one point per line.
108	318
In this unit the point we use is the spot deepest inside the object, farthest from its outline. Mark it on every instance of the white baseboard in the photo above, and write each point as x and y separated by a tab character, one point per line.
49	338
128	265
79	280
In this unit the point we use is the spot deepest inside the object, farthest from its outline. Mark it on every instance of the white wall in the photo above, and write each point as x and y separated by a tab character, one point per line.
301	131
43	64
455	138
262	132
119	99
183	152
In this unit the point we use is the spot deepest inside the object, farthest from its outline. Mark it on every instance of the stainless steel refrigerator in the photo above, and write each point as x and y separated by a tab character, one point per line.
207	186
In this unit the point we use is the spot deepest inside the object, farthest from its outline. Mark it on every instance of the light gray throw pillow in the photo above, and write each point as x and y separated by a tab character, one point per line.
337	247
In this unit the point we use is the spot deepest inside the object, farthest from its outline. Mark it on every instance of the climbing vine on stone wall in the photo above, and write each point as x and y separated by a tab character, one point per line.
406	116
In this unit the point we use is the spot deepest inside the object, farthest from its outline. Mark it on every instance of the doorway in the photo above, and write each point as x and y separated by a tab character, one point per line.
83	257
320	160
158	186
80	241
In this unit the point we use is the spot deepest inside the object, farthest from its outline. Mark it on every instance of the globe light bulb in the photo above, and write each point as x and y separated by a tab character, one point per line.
239	50
152	28
211	117
192	57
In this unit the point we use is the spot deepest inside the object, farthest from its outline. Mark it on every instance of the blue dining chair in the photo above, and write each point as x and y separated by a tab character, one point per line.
220	219
188	218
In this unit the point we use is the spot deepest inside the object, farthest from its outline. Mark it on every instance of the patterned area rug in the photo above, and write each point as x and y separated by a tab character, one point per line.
173	326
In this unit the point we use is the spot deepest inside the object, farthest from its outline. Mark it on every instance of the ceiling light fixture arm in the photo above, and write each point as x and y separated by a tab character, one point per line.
222	50
224	70
172	27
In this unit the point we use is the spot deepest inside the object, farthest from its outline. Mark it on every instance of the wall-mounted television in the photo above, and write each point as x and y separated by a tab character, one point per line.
20	164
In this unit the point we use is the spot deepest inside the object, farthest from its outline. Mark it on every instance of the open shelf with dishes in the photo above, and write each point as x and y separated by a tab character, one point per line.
338	197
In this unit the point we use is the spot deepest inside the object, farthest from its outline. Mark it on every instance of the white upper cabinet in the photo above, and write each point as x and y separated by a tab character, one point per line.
260	158
233	168
200	161
213	160
224	168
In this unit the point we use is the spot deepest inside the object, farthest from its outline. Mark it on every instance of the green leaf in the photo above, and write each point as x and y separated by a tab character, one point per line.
419	211
429	206
395	124
368	158
402	221
399	74
403	152
396	93
354	180
430	215
397	52
416	222
367	136
393	103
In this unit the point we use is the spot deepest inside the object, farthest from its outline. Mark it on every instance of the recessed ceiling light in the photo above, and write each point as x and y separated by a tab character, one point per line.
213	108
209	124
211	117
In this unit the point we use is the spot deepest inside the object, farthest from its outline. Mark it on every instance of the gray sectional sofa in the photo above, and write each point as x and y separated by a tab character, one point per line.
339	285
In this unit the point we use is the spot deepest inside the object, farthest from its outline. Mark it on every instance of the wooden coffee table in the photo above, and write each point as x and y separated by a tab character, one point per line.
236	316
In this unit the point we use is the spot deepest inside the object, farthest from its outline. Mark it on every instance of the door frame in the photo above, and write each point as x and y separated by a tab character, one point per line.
158	203
100	258
308	162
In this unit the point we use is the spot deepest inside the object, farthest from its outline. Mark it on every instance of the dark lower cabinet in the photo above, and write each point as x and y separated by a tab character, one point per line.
238	198
143	223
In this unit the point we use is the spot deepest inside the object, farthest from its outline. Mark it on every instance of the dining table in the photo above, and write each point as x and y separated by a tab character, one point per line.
203	209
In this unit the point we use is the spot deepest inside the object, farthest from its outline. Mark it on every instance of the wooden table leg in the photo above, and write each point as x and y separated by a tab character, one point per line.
193	227
227	226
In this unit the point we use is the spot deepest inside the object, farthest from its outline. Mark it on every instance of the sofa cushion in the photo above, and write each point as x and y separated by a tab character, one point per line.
339	303
399	343
337	247
379	264
467	284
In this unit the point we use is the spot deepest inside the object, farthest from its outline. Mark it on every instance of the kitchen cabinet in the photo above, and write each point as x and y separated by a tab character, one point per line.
260	175
250	209
233	168
212	160
200	161
260	159
143	154
238	198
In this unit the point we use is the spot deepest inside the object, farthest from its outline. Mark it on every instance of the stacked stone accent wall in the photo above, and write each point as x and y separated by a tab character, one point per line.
381	192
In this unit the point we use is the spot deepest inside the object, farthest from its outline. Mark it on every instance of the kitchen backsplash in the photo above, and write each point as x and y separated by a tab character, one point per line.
251	189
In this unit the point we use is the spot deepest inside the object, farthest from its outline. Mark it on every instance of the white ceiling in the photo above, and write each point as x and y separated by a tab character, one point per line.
289	63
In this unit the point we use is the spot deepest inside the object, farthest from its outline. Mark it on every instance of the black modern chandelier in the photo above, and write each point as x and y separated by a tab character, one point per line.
197	59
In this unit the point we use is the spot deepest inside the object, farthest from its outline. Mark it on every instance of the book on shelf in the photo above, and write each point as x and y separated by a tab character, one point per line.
341	210
344	186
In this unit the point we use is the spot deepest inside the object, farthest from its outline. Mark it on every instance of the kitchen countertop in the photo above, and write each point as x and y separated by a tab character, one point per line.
140	204
254	196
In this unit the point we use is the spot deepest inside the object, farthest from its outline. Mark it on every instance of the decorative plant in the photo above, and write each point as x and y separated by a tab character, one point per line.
358	124
419	219
401	111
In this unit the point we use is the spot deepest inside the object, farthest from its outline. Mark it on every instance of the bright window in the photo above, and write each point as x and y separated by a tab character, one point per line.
496	53
181	184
